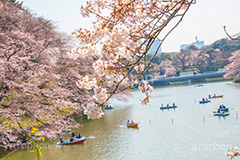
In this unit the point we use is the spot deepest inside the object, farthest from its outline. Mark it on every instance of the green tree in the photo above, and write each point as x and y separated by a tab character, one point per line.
192	47
164	56
219	43
150	56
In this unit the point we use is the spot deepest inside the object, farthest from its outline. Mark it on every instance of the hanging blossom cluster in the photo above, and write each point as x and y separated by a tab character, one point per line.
147	89
93	111
232	153
100	94
144	87
118	43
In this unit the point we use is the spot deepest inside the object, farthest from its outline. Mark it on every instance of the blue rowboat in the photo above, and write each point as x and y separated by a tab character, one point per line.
168	107
204	101
109	108
221	114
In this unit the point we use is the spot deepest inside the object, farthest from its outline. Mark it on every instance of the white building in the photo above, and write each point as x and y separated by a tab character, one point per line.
198	44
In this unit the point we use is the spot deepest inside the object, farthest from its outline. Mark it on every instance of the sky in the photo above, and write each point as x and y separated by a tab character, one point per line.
205	19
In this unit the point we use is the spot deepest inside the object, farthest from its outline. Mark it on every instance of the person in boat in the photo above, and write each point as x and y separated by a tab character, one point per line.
223	107
218	111
78	135
167	105
73	134
128	122
203	99
72	139
220	106
206	99
61	140
162	105
173	104
23	139
209	96
132	122
214	95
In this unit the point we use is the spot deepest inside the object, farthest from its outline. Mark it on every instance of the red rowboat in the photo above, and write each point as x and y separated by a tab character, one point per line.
75	141
18	146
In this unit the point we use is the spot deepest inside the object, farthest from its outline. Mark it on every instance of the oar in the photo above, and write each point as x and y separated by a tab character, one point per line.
86	135
89	136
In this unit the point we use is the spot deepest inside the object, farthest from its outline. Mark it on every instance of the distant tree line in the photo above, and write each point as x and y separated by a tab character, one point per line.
208	58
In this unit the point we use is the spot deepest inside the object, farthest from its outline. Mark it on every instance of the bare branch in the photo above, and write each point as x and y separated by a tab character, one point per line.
224	27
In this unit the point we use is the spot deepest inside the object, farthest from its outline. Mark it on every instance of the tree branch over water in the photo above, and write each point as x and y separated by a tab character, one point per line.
121	37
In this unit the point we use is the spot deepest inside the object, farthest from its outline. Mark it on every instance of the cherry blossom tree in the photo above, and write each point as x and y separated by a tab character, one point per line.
120	39
38	80
182	59
233	68
31	93
167	67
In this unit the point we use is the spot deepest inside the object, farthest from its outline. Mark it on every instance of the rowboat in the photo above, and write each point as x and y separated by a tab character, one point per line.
220	96
69	130
221	114
108	108
75	141
135	125
18	146
169	107
204	101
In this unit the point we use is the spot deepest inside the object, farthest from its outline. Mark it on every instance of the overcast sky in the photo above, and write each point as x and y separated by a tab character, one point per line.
205	19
